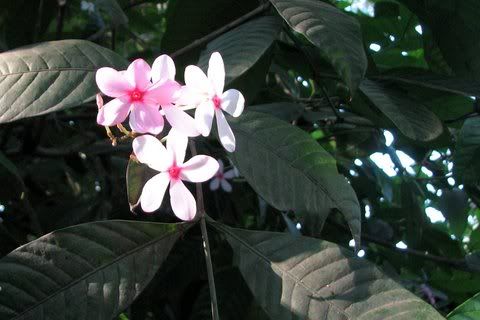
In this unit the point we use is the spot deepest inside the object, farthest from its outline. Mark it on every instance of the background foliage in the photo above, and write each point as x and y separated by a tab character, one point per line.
380	92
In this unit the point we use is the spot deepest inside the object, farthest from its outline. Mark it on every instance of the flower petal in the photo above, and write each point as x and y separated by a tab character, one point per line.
199	169
225	133
180	120
177	145
196	80
204	117
153	192
214	184
113	113
182	201
150	151
138	74
233	102
146	119
226	186
216	72
163	69
190	97
162	93
229	174
112	83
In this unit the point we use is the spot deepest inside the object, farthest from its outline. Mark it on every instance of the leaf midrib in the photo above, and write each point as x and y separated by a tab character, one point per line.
310	179
122	256
50	70
271	263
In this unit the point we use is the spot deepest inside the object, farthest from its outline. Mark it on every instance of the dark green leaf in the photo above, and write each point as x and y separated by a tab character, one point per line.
50	76
336	35
113	9
93	270
306	278
469	310
243	48
413	119
467	166
290	170
137	175
425	79
285	111
454	206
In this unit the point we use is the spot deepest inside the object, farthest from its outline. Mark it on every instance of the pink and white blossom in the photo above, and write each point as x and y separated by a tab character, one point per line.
206	92
169	162
221	178
135	94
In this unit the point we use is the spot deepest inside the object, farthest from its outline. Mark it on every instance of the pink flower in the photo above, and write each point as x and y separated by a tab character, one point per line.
169	162
220	178
163	71
135	94
207	93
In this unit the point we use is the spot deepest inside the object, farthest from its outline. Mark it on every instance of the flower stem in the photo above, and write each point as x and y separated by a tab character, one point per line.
206	244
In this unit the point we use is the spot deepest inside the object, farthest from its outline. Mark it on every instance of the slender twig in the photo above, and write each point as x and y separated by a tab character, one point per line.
38	23
332	106
454	263
206	244
60	18
462	117
220	31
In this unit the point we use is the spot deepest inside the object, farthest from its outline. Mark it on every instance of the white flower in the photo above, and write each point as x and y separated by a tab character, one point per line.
172	170
207	93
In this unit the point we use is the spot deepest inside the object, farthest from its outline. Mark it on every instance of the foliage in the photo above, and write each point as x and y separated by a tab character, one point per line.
360	122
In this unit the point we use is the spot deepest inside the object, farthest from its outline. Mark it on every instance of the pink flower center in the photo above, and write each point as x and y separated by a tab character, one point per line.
174	172
219	175
217	102
136	95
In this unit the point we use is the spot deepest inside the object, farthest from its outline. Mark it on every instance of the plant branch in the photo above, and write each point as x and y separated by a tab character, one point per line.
454	263
206	244
220	31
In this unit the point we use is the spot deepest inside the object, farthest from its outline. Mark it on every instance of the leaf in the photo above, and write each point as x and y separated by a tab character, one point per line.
290	170
454	206
285	111
50	76
90	270
336	35
137	175
188	21
413	119
306	278
469	310
425	79
243	48
113	9
467	151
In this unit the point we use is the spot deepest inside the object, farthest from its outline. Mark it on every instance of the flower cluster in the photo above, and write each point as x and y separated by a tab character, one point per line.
147	95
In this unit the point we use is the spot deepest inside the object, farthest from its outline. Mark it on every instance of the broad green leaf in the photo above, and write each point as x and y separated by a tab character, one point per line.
413	119
92	270
50	76
306	278
291	171
336	35
425	79
469	310
285	111
243	48
453	25
466	165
